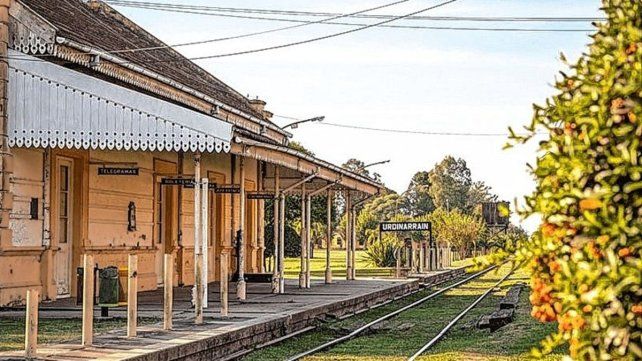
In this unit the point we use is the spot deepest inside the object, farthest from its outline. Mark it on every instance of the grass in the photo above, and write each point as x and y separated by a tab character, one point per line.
398	338
338	263
54	330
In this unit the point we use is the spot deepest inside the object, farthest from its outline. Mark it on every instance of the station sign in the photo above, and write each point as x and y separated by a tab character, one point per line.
227	188
405	226
117	171
260	195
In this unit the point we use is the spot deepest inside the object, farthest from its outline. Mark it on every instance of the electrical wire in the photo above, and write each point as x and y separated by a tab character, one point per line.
417	27
420	132
366	16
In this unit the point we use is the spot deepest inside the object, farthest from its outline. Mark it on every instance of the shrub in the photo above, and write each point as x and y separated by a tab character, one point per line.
381	253
586	256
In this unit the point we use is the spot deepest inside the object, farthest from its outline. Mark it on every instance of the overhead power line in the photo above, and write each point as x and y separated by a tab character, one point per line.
420	132
328	22
365	16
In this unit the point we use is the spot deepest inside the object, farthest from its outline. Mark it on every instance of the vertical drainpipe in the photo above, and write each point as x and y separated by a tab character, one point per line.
240	285
302	273
328	240
275	265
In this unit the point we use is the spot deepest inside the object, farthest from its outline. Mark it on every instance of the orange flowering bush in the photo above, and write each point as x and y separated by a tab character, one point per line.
586	257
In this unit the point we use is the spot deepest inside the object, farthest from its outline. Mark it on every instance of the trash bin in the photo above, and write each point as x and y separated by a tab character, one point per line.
108	294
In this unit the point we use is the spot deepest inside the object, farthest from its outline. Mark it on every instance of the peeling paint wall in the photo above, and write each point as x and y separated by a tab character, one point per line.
26	184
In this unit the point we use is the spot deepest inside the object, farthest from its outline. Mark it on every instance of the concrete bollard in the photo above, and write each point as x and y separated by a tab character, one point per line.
224	283
88	301
132	295
168	291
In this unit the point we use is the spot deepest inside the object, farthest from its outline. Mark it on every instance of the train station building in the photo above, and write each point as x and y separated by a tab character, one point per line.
115	144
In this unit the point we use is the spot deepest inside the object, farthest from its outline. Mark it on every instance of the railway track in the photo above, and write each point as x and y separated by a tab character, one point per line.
355	333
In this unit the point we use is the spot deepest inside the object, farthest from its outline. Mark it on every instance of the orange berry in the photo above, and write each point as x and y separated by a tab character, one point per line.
590	204
587	308
637	309
623	252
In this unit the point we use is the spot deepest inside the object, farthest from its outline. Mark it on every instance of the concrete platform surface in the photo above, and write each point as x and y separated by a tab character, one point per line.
261	318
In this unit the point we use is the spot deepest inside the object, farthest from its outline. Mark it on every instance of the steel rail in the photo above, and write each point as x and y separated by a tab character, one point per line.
385	317
458	317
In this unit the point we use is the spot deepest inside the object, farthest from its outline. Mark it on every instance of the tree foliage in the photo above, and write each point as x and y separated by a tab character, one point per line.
450	181
418	200
586	257
457	229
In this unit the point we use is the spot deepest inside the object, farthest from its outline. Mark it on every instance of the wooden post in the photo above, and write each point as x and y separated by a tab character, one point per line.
398	263
328	239
205	235
304	252
282	244
421	257
88	300
31	324
348	236
260	214
224	283
240	284
277	196
308	243
168	291
132	295
353	244
197	290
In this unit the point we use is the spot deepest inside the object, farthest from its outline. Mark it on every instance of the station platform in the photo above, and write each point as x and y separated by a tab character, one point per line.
262	318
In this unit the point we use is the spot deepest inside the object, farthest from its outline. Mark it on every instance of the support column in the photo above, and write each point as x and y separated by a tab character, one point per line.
205	236
275	267
328	240
240	285
88	300
308	243
348	236
304	252
6	158
261	222
353	244
282	244
197	291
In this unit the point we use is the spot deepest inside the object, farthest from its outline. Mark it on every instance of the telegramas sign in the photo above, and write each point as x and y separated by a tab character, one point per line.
404	226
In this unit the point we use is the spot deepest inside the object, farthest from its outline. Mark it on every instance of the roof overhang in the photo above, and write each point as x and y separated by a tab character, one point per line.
304	164
52	106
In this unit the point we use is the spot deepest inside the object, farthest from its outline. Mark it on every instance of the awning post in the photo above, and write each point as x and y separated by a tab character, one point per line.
302	271
277	196
282	243
240	285
205	236
328	239
353	244
308	221
348	236
197	291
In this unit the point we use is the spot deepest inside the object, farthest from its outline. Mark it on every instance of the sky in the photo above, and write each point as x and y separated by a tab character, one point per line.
410	79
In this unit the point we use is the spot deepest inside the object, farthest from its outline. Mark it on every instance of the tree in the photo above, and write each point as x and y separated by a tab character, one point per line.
450	181
381	208
586	257
417	199
457	229
478	193
359	167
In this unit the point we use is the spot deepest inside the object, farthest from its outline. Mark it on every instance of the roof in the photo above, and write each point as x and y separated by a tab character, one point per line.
97	25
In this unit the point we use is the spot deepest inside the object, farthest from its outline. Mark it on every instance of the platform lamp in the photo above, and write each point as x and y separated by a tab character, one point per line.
294	125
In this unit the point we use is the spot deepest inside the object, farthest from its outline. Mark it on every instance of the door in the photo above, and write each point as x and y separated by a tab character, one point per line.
65	225
165	225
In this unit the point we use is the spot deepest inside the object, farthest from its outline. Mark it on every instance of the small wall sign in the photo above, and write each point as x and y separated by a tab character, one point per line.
117	171
185	182
260	195
227	188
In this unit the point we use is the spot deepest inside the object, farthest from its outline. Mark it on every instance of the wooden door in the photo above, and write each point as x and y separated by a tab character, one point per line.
165	215
65	226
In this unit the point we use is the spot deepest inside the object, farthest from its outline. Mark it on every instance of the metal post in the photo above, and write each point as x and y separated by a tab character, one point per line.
88	300
205	235
240	285
308	243
282	244
328	239
348	236
302	272
277	195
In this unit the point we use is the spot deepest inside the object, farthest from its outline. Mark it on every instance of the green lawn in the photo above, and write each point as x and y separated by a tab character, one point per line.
54	330
338	263
401	336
